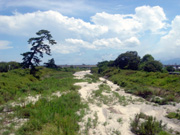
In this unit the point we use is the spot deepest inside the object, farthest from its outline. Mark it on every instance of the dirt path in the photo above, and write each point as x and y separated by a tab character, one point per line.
111	110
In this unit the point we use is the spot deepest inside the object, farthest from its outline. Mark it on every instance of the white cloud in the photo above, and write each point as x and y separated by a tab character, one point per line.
145	18
151	18
131	42
64	49
125	25
169	46
21	24
5	45
177	43
105	31
80	43
114	43
110	43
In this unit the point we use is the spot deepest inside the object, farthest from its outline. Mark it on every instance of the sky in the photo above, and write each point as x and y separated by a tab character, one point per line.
91	31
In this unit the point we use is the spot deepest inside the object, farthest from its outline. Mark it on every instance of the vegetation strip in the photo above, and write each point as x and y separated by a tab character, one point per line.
45	111
143	77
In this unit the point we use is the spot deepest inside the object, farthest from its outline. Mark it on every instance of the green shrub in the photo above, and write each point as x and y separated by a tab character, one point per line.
61	113
146	125
153	66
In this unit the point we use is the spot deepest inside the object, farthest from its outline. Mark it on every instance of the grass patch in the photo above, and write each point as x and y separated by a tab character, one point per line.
20	83
99	95
91	78
59	113
174	115
147	125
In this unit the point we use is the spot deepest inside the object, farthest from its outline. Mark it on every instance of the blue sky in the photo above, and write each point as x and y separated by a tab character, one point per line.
90	31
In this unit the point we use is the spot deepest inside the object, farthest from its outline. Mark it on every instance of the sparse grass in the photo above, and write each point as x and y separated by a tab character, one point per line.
106	96
122	99
99	96
174	115
95	120
91	78
88	126
119	120
147	125
116	132
105	123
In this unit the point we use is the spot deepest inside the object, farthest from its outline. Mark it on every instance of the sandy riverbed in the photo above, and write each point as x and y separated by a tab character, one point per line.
115	117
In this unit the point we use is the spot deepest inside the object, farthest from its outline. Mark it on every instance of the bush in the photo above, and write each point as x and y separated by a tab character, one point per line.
153	66
170	69
146	125
175	115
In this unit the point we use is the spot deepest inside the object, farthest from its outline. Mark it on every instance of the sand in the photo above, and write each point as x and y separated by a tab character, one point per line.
115	117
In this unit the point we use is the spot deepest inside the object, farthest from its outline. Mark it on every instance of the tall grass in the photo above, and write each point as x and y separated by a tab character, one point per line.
48	115
60	114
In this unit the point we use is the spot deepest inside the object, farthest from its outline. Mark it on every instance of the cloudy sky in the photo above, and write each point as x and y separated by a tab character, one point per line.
90	31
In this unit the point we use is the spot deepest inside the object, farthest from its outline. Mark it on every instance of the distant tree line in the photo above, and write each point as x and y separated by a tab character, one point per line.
41	44
131	60
6	66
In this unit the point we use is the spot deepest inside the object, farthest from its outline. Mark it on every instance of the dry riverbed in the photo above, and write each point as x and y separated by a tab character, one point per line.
111	110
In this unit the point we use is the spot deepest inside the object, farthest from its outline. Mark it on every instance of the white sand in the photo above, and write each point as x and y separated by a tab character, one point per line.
105	117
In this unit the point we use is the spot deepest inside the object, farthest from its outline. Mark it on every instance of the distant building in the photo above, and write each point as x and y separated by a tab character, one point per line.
77	66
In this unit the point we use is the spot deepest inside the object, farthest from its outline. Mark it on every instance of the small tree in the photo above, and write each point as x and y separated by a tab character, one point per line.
39	44
51	64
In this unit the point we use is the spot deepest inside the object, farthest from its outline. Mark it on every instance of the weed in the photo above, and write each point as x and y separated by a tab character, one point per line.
121	99
101	98
92	78
88	126
116	132
146	125
105	123
175	115
95	120
119	120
